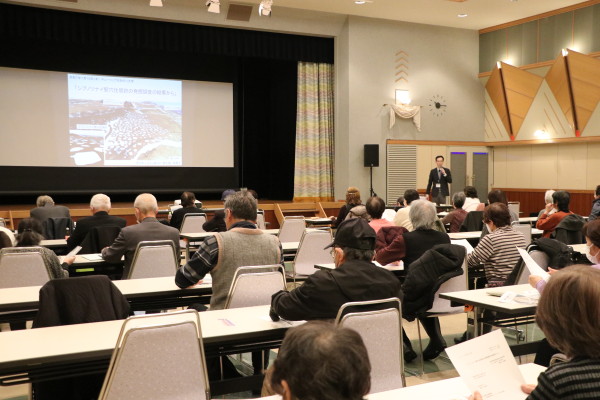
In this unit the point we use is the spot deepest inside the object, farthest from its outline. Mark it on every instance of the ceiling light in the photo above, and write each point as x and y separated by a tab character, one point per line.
156	3
462	15
359	2
213	6
541	134
265	8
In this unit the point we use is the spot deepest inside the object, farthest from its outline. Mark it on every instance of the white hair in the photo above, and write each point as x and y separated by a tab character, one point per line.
422	214
100	202
43	200
146	203
548	196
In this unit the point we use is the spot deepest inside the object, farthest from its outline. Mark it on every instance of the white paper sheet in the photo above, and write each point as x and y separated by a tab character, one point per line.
487	365
463	242
534	268
92	257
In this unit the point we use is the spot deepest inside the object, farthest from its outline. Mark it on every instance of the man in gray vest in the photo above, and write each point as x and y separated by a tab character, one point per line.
222	254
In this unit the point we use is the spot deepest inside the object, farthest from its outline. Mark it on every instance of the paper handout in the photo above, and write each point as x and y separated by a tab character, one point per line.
465	243
487	365
534	268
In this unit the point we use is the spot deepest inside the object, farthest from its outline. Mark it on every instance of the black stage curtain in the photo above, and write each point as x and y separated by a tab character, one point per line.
262	67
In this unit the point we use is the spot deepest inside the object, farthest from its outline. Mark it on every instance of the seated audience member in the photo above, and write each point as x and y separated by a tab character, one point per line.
547	200
497	251
560	203
595	205
472	201
319	360
47	209
100	206
147	229
220	255
455	218
410	246
217	222
29	235
352	200
569	315
5	240
497	196
10	235
253	193
188	205
399	203
401	218
376	208
355	278
359	211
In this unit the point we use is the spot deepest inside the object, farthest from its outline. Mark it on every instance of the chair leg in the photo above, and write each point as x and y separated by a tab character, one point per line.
421	347
221	363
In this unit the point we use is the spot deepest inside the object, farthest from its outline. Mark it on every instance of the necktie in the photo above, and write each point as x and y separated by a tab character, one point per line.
439	175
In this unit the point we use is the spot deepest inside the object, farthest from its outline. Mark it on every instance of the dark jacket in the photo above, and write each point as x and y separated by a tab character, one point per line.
568	230
473	222
427	274
101	218
49	211
56	228
324	292
341	215
387	234
177	217
216	223
595	210
443	181
98	238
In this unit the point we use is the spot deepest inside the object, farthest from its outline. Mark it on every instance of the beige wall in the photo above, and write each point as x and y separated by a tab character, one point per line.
547	166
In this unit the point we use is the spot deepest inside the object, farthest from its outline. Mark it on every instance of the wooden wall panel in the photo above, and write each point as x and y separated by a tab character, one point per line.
520	87
558	80
496	92
532	201
585	82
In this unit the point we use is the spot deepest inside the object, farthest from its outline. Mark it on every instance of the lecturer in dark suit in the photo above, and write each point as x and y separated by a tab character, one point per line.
100	206
148	228
439	178
46	209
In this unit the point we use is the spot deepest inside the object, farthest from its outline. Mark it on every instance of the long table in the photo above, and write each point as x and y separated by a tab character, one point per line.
72	350
477	234
481	300
142	294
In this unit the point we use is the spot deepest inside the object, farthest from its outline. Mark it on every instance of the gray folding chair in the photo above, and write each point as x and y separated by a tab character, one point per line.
514	206
23	269
291	229
260	220
254	286
154	259
381	331
542	259
192	223
2	222
525	229
311	251
158	356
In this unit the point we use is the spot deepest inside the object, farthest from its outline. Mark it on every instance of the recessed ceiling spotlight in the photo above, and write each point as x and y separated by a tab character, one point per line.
156	3
264	9
462	15
359	2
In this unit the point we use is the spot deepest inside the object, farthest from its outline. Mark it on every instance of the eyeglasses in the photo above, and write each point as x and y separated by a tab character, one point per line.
332	251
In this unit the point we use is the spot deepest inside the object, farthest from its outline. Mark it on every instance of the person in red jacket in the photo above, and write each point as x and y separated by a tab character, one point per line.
548	223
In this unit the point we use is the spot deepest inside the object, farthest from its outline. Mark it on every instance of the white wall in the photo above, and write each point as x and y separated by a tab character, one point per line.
442	61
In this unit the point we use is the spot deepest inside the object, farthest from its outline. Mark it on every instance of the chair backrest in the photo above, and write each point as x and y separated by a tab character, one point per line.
523	276
260	220
311	251
254	286
192	223
381	331
291	229
23	269
525	229
514	206
154	259
158	356
542	259
473	222
456	284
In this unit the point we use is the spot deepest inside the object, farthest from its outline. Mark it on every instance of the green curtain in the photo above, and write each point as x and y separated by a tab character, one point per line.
313	173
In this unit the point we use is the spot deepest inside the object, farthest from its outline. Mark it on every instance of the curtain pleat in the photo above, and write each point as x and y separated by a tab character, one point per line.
313	173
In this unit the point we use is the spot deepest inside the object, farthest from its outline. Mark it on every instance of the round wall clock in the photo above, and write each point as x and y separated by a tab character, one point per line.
437	105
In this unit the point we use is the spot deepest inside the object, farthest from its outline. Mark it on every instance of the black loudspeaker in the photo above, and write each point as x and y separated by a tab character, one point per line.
371	155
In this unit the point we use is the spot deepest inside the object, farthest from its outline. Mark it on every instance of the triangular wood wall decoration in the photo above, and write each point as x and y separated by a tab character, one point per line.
495	89
558	80
520	88
584	72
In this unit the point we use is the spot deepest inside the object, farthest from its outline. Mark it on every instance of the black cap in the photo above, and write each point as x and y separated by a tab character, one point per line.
355	233
227	193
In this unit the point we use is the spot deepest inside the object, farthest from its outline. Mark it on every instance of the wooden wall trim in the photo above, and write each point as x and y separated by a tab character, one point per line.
595	54
494	144
435	142
540	16
590	191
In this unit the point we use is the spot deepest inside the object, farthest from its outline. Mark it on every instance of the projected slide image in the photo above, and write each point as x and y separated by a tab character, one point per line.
120	121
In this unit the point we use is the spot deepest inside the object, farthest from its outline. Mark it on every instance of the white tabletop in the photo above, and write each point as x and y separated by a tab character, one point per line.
290	247
54	243
388	267
73	342
477	234
202	235
579	248
480	298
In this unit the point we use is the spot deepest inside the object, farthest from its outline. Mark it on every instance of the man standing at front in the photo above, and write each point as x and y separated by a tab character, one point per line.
439	178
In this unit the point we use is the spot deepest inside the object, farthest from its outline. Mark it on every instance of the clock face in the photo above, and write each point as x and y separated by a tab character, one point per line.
437	105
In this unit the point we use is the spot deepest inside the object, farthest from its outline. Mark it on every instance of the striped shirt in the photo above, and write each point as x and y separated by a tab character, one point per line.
572	380
498	253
